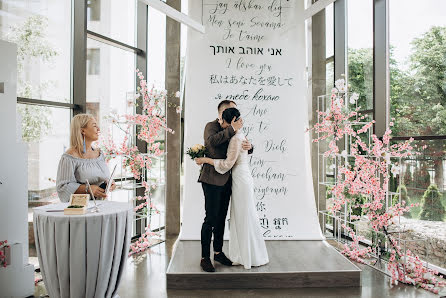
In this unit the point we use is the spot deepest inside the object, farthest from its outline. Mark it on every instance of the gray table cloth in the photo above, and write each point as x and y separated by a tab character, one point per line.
83	255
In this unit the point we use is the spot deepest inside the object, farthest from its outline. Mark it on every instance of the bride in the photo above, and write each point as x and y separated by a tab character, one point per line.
246	244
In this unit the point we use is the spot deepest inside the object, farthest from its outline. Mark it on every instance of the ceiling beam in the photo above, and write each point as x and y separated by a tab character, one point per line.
316	7
174	14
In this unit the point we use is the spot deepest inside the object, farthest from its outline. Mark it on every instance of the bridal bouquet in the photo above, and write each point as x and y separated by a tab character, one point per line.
196	151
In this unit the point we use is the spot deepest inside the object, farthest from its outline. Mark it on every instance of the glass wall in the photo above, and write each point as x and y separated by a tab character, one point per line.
156	64
114	19
360	50
418	63
110	81
110	90
42	32
111	73
157	43
417	104
417	36
329	47
47	131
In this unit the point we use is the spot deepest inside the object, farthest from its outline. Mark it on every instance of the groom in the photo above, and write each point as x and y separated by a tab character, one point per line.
217	187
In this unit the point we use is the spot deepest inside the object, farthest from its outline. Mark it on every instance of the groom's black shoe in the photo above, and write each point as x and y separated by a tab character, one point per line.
206	265
221	258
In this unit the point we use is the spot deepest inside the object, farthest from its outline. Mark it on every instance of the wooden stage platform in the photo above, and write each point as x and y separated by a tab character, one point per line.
293	264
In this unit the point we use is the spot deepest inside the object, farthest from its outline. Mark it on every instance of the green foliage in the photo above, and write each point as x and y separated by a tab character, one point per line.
30	38
425	85
328	193
393	182
407	178
404	198
357	203
360	75
35	122
423	178
416	210
417	96
432	208
379	241
32	46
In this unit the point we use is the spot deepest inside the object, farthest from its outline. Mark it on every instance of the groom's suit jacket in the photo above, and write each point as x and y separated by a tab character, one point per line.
216	141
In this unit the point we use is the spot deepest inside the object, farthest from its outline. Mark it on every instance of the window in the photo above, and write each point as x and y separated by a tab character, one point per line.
156	66
42	32
114	19
329	47
417	67
94	10
93	61
423	182
109	89
47	133
156	41
417	37
360	50
42	29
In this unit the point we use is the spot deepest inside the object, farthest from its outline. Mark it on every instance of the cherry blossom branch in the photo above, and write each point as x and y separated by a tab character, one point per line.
366	173
150	124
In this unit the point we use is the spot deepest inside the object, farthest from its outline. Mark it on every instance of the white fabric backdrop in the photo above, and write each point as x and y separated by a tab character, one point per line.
255	55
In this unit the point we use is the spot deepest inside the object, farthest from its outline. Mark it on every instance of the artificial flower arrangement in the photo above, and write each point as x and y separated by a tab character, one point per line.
150	124
366	173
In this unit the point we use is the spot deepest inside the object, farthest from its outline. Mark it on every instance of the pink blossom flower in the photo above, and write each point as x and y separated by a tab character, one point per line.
368	175
150	124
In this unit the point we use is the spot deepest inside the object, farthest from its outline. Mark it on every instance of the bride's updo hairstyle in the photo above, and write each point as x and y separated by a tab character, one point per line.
229	114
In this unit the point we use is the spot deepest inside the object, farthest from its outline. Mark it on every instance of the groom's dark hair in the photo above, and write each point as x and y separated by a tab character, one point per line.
225	103
229	114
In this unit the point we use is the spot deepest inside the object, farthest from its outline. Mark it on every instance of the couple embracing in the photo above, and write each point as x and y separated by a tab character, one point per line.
226	174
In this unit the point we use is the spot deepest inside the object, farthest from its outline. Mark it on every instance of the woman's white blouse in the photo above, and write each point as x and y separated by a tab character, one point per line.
74	171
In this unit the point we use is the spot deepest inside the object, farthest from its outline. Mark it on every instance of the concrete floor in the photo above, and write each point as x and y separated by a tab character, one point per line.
145	277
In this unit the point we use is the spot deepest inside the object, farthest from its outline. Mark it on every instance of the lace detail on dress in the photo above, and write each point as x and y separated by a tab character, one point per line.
232	156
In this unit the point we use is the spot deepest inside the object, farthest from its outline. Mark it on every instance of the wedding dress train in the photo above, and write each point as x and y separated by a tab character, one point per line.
246	244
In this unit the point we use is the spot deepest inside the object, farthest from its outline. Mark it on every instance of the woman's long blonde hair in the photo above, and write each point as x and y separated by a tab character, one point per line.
76	138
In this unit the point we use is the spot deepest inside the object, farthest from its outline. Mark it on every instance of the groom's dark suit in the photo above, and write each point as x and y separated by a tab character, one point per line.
216	187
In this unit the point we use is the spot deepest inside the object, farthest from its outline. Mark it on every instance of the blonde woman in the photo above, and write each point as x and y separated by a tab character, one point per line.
82	162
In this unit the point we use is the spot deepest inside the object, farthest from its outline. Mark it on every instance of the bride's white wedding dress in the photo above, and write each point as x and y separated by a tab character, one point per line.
246	244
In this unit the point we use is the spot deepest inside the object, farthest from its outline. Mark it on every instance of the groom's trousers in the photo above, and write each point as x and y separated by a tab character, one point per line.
216	202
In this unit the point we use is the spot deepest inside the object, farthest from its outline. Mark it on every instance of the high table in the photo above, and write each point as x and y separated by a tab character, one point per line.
83	255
